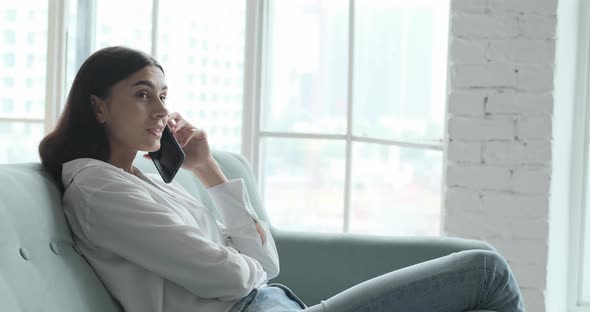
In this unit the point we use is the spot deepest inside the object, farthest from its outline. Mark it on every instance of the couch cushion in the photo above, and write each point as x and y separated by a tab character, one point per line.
39	268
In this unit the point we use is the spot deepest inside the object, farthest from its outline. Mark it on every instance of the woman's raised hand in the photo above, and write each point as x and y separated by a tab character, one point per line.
198	156
192	140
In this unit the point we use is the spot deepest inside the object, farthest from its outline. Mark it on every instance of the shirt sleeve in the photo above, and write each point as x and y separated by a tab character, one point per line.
122	218
232	200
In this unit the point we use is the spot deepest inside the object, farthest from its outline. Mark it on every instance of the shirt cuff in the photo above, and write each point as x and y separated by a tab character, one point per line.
232	200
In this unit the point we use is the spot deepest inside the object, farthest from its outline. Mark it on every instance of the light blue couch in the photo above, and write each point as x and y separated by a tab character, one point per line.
40	269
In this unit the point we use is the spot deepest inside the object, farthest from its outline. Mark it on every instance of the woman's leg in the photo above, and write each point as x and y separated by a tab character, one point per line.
463	281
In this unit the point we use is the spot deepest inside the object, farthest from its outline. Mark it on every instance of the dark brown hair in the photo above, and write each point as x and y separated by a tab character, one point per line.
78	134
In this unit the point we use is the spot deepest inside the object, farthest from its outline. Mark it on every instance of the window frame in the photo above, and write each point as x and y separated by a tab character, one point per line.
256	45
55	67
57	37
579	198
262	8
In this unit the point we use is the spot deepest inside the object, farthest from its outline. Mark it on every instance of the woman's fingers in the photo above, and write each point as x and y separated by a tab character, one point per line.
176	122
174	116
182	123
173	120
192	133
185	130
186	138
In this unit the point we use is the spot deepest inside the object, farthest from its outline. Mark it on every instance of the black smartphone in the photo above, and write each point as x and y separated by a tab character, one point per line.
169	157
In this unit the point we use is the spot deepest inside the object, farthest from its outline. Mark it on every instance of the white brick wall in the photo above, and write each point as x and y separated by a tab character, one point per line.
500	108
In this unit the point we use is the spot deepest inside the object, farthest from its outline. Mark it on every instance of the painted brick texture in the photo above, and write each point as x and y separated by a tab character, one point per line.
499	131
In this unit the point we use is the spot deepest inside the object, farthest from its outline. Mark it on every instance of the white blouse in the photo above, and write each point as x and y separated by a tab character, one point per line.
158	249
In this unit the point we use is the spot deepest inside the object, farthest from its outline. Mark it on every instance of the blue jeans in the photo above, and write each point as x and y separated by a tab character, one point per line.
462	281
274	298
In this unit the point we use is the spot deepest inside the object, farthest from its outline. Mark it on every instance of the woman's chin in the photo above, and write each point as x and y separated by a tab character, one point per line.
154	147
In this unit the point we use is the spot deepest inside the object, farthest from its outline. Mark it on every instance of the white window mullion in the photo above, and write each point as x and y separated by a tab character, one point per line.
56	58
256	16
155	27
435	145
349	116
21	119
579	170
86	31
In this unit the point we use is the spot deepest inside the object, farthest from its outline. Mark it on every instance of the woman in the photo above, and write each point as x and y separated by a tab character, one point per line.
157	249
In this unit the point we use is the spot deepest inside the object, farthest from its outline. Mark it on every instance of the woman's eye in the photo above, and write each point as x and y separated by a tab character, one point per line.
142	95
163	98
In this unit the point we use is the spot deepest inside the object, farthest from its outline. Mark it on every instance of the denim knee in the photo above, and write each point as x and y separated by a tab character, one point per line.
490	260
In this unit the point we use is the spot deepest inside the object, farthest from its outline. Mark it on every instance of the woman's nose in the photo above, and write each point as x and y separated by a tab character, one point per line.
160	111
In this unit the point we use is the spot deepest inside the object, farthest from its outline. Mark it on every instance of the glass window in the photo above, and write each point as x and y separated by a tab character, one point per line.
7	105
400	64
186	32
8	82
303	183
307	67
398	86
9	60
10	15
28	106
408	189
31	38
23	62
217	25
9	36
20	141
129	24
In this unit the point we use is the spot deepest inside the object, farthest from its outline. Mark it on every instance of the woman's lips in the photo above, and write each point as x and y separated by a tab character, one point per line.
155	132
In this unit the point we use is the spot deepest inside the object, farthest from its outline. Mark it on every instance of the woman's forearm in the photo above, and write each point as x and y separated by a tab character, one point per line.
210	174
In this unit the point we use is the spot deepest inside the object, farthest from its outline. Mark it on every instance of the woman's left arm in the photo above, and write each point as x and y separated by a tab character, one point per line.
211	175
250	236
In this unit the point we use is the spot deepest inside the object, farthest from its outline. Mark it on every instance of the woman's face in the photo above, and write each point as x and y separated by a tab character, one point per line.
134	114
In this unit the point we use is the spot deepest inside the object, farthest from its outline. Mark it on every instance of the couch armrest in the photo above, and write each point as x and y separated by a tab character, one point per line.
318	266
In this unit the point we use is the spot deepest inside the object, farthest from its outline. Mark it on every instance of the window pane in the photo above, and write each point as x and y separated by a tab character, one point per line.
395	191
585	236
201	46
75	45
306	77
303	183
585	263
23	61
400	69
126	23
20	141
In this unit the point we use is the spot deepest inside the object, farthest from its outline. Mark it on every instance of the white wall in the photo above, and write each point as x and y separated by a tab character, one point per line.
500	130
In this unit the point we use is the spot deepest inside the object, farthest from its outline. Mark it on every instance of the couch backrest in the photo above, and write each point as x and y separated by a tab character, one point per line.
40	270
233	166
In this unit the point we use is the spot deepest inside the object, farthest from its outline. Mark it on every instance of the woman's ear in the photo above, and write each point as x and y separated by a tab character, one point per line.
99	108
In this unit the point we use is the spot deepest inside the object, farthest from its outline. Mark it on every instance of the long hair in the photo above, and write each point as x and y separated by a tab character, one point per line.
78	133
